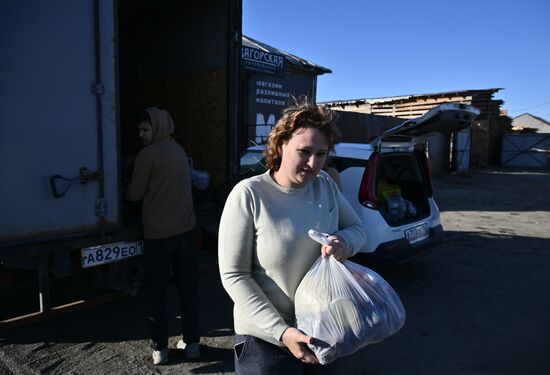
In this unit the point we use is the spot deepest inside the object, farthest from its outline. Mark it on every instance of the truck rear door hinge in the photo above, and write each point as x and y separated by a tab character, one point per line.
100	207
236	37
98	89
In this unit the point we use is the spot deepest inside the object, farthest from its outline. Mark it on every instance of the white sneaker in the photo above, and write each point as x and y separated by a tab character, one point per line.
160	357
191	351
181	345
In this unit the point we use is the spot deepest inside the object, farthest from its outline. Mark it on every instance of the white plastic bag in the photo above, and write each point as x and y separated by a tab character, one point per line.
199	179
345	307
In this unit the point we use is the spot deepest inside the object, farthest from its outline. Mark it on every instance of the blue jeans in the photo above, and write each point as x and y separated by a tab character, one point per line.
255	356
180	251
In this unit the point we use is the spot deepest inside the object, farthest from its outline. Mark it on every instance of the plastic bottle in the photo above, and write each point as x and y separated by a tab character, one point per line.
410	209
395	208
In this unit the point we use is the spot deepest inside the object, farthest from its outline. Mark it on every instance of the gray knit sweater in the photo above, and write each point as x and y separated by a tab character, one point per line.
264	249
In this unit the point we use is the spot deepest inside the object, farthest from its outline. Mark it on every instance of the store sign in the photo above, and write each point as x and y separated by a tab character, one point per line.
257	60
268	96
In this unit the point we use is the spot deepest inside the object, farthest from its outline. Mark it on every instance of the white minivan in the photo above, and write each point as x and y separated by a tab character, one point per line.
389	184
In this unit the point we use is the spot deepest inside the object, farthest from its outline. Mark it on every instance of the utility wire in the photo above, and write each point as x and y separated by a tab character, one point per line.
533	106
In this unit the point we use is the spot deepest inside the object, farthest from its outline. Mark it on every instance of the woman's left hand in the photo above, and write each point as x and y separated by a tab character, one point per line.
337	249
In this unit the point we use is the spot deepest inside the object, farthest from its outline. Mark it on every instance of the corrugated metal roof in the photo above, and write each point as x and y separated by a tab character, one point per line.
291	59
405	97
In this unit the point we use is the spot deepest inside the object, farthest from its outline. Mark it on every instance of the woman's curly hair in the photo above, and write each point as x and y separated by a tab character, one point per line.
303	114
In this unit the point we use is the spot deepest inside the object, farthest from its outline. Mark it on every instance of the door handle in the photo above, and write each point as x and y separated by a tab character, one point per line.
85	176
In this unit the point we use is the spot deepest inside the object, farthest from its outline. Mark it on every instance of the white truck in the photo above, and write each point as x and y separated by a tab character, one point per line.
73	75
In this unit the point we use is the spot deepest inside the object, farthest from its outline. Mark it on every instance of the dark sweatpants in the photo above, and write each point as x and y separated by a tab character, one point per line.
181	252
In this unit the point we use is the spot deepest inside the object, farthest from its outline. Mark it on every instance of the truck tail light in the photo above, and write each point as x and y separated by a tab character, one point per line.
367	189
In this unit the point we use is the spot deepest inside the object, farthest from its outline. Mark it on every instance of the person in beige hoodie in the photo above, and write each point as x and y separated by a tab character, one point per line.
161	178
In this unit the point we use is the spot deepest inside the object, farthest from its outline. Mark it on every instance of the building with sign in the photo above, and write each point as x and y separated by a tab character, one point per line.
270	78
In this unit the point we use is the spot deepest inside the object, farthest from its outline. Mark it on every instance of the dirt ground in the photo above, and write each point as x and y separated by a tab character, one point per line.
478	304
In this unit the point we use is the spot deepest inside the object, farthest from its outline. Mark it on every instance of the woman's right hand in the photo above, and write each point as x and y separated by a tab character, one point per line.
337	249
297	342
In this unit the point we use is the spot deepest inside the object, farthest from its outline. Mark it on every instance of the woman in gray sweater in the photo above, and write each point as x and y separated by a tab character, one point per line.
264	248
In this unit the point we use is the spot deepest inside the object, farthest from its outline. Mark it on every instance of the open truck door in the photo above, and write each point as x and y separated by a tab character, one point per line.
59	139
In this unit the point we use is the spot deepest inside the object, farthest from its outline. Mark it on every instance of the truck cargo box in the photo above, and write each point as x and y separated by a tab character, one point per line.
74	74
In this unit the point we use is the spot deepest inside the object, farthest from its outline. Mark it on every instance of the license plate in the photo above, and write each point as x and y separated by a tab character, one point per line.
417	233
109	253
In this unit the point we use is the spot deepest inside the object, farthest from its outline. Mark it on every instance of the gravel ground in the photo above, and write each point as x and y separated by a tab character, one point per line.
478	304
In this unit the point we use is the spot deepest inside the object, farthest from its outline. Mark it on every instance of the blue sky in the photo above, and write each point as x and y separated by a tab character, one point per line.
398	47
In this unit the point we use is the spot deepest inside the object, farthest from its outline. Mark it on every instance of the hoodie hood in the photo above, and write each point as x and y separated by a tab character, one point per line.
161	123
